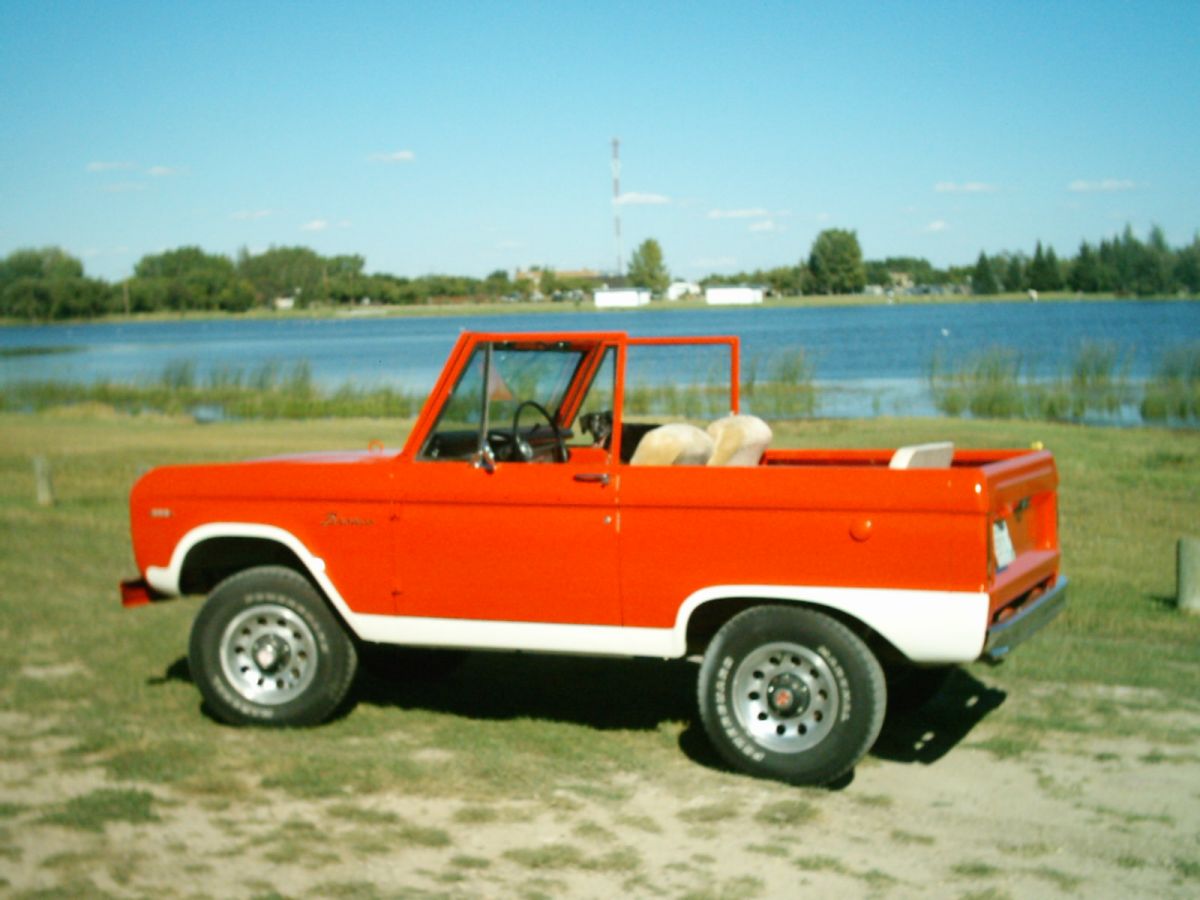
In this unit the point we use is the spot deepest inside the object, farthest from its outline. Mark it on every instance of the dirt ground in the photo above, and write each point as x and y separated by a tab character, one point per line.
946	806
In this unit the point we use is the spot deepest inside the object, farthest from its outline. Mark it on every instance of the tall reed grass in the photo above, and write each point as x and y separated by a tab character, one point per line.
779	386
269	391
1173	394
996	384
787	391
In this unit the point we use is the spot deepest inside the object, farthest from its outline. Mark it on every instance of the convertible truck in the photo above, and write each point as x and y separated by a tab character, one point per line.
538	506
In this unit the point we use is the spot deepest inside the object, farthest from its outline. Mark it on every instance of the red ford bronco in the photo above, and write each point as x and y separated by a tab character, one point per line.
531	509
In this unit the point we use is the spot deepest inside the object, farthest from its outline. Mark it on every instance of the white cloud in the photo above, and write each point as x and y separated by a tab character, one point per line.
343	223
109	166
633	198
937	225
750	213
966	187
163	171
315	225
249	215
765	225
1106	185
395	156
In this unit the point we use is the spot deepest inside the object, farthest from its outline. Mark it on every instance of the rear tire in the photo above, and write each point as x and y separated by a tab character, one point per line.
791	694
265	649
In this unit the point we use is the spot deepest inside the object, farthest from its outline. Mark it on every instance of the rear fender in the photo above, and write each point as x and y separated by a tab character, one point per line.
925	626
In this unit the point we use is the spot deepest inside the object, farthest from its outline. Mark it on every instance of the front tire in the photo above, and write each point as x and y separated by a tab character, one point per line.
791	694
266	650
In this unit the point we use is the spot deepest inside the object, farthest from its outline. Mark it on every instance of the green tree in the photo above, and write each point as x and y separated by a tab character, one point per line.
1015	273
44	262
48	283
983	279
184	262
285	272
646	267
1054	272
1087	274
836	262
1187	267
877	272
784	281
188	278
921	271
497	284
1152	268
26	298
1043	270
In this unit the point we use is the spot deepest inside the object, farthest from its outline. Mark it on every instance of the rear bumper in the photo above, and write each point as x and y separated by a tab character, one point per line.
136	592
1004	636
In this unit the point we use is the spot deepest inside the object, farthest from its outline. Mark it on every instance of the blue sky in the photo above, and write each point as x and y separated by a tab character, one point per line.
463	137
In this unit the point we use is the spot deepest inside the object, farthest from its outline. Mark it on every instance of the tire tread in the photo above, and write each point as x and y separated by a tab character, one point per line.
764	623
312	708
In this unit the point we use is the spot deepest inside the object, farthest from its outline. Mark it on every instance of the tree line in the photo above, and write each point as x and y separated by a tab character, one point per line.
1123	264
49	284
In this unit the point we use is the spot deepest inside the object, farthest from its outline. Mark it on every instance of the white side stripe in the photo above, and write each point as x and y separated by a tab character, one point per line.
926	626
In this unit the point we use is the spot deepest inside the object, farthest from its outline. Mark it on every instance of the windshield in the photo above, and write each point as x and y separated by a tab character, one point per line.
517	377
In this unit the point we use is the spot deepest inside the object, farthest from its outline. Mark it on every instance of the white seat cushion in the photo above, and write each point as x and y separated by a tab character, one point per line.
923	456
739	440
674	444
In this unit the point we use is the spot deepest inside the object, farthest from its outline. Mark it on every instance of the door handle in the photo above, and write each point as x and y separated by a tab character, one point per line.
592	477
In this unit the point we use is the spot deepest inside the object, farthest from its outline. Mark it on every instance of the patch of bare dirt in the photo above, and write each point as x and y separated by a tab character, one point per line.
1084	814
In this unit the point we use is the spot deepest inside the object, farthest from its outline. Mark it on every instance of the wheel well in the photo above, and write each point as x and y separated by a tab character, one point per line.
212	561
709	617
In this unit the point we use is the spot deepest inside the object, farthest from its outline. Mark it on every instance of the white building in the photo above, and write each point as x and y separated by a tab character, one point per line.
621	298
680	289
733	296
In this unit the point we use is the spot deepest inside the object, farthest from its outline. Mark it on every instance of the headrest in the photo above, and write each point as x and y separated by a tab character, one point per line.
739	440
674	444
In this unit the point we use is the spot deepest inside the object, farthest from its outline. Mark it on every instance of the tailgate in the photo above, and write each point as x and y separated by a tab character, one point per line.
1023	553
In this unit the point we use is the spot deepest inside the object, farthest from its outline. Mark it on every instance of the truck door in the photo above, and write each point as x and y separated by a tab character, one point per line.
508	515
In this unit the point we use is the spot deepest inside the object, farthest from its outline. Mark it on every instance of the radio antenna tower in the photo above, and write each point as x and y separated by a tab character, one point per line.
616	174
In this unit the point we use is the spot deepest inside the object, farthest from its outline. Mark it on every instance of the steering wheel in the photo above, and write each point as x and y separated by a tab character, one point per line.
520	448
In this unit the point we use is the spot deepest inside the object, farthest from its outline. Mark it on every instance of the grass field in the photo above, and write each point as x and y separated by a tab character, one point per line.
552	776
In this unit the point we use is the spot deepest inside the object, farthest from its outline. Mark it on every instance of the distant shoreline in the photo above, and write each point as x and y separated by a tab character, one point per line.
437	310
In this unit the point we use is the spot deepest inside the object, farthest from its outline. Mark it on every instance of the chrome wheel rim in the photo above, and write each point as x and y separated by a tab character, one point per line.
268	654
785	697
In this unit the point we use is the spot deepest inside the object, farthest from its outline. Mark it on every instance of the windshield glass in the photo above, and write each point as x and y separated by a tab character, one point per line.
518	376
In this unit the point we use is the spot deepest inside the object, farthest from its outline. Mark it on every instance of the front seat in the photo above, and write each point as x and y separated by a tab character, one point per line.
739	440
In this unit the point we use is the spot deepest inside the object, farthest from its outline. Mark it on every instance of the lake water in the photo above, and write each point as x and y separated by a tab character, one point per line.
869	360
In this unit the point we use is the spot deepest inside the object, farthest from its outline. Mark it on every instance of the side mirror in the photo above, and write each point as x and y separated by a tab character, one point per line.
484	460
